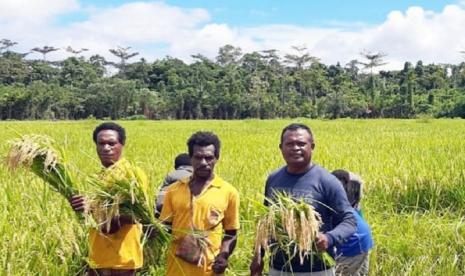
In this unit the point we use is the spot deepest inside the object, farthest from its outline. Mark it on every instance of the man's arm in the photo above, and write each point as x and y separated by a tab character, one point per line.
230	224
227	247
166	214
344	219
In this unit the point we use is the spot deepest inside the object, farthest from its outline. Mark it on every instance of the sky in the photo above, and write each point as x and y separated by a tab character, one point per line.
334	31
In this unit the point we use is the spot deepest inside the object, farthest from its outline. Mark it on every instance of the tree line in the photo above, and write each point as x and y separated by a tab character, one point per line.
234	85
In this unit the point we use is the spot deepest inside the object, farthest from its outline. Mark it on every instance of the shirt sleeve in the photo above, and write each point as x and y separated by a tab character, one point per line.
231	214
167	210
344	220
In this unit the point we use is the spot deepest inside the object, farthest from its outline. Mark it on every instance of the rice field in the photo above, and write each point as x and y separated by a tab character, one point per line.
414	172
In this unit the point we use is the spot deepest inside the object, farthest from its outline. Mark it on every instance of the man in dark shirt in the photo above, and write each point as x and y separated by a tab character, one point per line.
182	169
302	179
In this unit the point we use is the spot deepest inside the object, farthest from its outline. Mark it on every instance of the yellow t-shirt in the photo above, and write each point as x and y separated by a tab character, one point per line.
217	206
122	249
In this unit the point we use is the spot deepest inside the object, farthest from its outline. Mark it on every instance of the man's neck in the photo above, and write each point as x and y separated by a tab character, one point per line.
299	169
197	184
106	166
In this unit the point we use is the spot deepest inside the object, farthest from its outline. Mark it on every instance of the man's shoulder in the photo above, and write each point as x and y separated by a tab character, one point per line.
225	185
177	185
322	173
276	173
177	175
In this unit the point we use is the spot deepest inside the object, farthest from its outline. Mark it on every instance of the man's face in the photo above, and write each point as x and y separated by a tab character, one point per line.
108	147
297	147
203	161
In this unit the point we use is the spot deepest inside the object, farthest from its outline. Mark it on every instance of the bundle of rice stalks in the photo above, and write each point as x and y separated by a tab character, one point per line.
38	154
292	226
121	190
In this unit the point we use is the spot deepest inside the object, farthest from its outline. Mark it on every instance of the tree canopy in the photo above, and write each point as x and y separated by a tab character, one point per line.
234	85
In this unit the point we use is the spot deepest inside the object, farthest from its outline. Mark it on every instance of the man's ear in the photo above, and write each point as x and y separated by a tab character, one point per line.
280	146
313	145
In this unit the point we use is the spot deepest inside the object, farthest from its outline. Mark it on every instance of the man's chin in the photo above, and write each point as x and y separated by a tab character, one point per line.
298	163
203	174
107	161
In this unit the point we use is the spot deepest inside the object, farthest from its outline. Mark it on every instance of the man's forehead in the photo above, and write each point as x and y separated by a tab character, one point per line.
107	134
204	149
300	132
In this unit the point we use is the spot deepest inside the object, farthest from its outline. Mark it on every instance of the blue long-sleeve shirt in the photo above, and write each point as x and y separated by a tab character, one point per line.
325	193
360	242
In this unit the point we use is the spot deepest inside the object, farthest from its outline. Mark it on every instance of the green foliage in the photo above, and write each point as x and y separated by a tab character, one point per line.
234	85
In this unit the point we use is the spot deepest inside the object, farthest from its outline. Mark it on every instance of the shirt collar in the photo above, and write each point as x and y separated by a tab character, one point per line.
216	182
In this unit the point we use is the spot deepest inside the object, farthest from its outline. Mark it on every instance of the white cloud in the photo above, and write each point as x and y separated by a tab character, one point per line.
18	12
411	35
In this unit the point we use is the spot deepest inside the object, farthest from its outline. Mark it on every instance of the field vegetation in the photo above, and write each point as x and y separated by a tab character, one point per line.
414	172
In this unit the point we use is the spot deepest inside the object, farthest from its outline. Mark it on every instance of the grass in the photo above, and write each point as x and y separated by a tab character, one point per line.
414	192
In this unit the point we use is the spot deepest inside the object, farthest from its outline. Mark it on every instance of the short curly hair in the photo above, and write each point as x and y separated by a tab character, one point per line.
183	159
294	127
110	126
203	139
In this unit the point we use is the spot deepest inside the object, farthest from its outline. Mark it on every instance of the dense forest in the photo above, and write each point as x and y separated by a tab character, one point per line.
235	85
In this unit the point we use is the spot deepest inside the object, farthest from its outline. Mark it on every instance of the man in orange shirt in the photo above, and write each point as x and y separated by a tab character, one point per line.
203	212
117	251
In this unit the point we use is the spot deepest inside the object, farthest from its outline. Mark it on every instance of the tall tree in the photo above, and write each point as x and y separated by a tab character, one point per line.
375	59
300	60
123	54
75	51
45	50
228	55
6	44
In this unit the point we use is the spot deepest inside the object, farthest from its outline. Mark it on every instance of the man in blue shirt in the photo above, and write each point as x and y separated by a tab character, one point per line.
302	179
352	256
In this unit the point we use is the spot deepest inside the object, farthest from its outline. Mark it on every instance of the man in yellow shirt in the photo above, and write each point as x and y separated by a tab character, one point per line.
204	214
117	251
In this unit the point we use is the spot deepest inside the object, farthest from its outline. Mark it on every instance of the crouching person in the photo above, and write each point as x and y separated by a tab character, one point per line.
352	257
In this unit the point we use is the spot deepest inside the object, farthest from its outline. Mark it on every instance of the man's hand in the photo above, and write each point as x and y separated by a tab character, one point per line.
221	263
322	242
150	231
256	267
79	203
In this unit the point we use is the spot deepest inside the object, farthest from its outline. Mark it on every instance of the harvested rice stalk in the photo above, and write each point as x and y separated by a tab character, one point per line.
292	226
38	154
121	190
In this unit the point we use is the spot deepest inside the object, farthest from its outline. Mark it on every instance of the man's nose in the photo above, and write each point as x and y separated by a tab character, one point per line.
203	161
295	147
106	147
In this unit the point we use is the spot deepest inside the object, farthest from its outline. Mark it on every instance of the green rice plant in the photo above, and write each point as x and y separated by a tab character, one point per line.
292	226
38	153
414	193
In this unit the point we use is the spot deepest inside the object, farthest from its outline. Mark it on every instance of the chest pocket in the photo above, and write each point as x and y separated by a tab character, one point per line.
214	217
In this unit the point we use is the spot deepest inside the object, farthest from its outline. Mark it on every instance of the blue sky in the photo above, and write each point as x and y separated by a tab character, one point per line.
334	31
315	13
